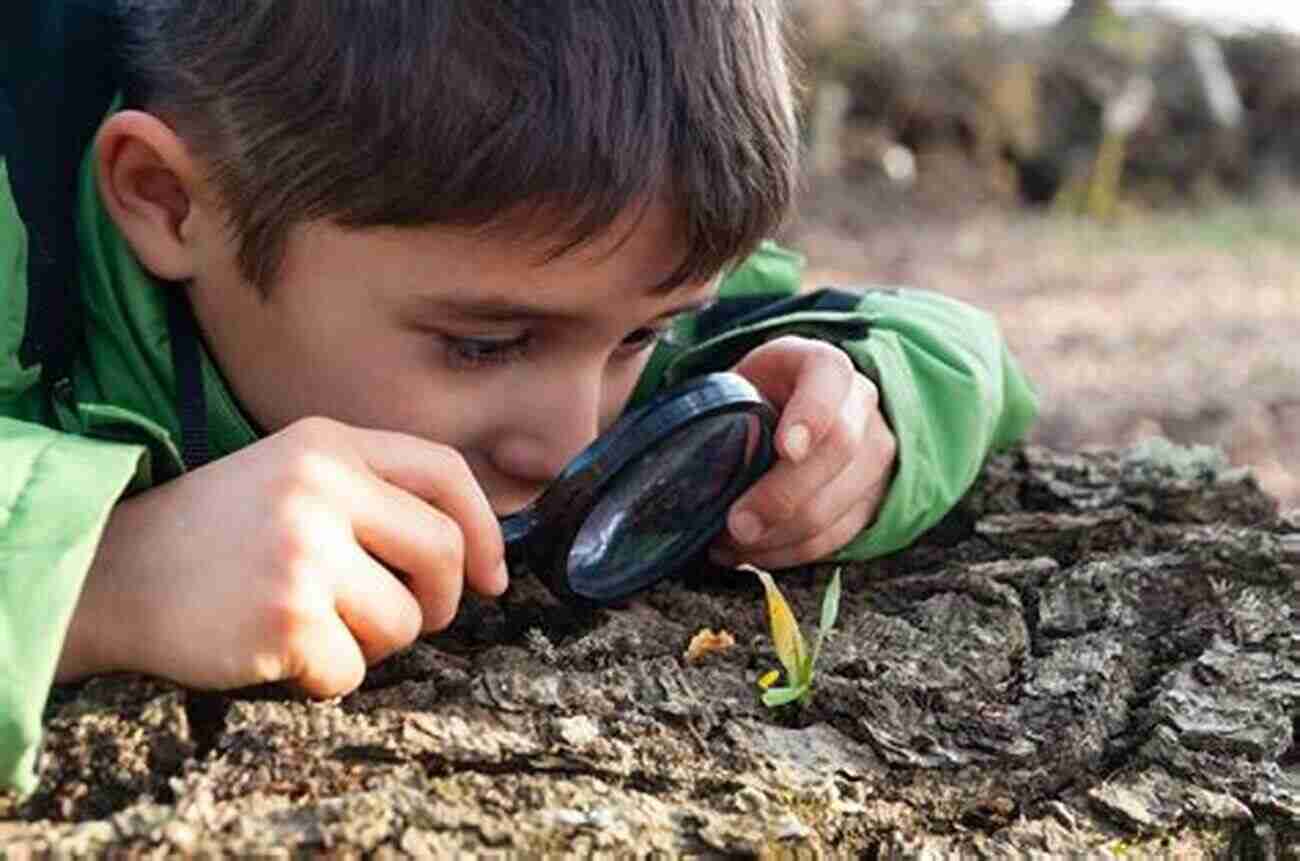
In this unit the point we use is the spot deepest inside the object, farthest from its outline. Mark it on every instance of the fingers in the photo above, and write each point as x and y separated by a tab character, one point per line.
853	452
784	493
382	614
379	610
865	481
404	521
440	477
810	381
426	547
810	549
814	501
332	662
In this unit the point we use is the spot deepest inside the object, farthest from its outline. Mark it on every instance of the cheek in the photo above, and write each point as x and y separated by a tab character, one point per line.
619	383
385	382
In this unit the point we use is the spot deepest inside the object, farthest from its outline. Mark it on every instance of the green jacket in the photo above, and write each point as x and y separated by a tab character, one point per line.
73	444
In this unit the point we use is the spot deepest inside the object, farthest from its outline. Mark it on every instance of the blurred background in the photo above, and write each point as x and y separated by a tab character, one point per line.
1119	182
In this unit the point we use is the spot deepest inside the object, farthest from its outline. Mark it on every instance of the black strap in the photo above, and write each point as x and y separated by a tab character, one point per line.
736	312
191	402
58	73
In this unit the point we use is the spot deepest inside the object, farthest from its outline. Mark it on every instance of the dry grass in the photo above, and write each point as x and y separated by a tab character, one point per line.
1186	325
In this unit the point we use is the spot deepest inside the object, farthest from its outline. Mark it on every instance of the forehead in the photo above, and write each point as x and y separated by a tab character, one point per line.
623	268
646	238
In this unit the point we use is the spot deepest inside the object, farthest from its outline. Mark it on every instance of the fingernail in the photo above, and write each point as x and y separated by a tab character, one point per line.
502	577
747	527
797	441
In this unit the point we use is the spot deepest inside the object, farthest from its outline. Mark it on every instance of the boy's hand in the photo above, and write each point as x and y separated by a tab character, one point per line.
302	558
835	458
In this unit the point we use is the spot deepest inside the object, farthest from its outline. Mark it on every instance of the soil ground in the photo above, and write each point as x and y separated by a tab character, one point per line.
1185	324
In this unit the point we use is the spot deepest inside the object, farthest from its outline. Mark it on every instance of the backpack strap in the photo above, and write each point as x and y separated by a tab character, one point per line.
58	75
735	312
187	364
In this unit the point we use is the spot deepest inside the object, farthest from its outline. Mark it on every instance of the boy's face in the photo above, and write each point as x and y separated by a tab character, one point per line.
462	339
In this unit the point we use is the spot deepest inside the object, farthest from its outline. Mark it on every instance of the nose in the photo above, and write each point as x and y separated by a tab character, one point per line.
548	425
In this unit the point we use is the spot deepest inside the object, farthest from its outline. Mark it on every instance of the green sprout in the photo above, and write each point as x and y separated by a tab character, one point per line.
790	645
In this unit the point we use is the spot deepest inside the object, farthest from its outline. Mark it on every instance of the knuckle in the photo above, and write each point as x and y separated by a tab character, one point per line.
837	358
303	468
440	617
406	630
790	342
440	610
844	531
290	546
798	542
888	443
843	435
829	355
779	504
496	551
313	432
449	546
455	461
441	591
870	391
823	542
814	519
294	520
821	545
407	624
290	618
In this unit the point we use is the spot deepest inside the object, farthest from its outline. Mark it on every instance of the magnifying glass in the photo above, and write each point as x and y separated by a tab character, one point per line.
638	503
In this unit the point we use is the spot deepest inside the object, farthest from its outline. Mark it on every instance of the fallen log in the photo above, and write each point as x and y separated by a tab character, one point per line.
1096	653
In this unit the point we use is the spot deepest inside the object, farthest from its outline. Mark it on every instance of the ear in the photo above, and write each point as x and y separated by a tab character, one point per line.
149	184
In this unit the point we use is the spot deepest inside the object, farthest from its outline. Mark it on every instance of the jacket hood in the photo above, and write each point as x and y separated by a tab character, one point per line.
127	359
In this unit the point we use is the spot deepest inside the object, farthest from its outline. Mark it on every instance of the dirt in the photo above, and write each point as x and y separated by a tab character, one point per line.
1096	653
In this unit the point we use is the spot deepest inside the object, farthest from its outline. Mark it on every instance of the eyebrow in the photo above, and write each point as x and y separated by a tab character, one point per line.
502	310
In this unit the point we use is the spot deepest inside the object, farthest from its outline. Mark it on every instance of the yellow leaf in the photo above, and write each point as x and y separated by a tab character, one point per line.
768	679
786	637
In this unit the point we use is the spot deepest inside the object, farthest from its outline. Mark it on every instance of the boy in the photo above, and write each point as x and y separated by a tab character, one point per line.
356	276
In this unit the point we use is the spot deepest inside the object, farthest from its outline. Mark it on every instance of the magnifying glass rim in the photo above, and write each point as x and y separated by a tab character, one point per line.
637	576
569	500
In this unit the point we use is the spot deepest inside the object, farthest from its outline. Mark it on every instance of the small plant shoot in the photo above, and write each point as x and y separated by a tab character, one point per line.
789	642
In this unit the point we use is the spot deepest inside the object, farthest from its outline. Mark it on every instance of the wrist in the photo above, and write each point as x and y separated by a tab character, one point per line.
99	634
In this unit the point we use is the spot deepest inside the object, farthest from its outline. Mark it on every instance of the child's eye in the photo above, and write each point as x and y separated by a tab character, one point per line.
470	353
641	339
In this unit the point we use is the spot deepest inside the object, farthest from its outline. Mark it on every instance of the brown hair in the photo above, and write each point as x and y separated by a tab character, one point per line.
477	113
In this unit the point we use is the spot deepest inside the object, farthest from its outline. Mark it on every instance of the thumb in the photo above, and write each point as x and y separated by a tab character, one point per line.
808	380
774	368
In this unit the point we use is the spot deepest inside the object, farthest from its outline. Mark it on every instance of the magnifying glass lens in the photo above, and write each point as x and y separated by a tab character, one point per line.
663	506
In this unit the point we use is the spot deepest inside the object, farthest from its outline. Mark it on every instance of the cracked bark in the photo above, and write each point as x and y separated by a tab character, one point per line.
1097	652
